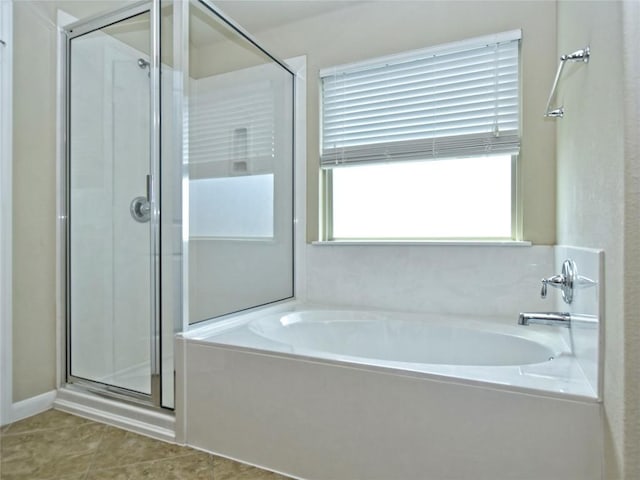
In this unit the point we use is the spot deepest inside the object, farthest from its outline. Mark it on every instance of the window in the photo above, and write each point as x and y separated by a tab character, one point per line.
423	144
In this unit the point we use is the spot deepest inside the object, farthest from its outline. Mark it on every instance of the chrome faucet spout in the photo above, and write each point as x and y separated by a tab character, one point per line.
554	319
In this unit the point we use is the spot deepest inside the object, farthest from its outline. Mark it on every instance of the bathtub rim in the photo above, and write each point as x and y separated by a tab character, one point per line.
555	344
206	332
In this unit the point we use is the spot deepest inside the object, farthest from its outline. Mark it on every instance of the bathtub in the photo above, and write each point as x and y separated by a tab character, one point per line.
392	337
334	393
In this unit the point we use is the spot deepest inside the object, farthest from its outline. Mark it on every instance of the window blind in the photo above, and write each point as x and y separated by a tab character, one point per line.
453	100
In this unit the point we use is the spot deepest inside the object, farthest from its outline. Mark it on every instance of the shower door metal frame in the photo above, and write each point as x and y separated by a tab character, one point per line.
70	32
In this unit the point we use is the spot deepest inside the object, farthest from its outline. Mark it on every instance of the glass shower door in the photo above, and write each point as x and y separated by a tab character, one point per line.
109	258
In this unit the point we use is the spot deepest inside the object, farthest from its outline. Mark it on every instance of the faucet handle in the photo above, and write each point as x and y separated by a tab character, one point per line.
557	281
564	281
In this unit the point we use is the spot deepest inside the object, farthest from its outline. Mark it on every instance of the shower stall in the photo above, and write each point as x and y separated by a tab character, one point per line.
178	188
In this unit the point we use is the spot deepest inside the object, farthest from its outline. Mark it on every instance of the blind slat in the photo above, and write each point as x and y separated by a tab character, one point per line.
488	71
425	104
441	147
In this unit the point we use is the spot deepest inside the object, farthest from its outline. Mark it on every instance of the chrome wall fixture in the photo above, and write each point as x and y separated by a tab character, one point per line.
564	281
553	319
577	56
567	281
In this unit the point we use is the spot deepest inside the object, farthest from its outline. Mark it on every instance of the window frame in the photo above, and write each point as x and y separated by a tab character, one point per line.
326	206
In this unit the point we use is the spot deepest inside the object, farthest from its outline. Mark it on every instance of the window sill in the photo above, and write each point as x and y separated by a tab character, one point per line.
413	243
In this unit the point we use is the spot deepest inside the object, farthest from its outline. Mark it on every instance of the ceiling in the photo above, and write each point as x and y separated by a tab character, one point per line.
253	16
258	15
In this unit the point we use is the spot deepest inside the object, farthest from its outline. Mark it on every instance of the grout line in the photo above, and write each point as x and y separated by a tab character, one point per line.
93	457
86	472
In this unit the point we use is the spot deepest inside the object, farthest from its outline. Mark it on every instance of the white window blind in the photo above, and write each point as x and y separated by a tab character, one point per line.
453	100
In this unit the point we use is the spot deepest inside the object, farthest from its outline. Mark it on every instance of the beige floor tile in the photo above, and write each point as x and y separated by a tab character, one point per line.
193	466
58	446
51	419
50	453
120	448
224	469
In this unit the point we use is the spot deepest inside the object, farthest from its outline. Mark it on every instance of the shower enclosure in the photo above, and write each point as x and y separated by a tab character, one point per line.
178	187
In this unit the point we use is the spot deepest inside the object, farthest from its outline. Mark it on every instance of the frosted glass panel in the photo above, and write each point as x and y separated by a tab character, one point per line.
240	207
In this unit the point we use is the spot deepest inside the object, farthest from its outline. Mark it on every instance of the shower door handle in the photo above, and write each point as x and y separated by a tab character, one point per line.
140	207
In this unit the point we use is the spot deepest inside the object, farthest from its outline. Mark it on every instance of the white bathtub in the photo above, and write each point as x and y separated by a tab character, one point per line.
395	337
456	347
345	394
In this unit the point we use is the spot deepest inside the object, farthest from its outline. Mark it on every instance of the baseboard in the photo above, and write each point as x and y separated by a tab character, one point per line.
32	406
145	421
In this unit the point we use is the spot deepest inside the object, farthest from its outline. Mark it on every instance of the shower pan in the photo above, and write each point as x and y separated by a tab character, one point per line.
177	186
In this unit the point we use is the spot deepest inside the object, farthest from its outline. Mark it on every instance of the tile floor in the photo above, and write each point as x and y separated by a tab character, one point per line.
56	445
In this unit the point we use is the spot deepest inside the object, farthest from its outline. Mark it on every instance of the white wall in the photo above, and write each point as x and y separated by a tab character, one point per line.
598	191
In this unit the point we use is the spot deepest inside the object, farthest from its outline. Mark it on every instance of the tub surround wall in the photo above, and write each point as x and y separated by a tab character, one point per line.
484	281
493	282
587	309
315	420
